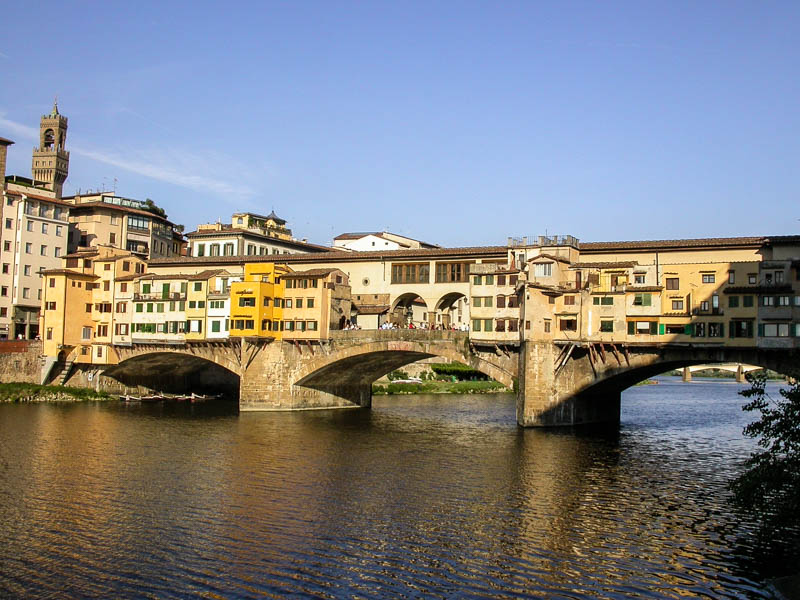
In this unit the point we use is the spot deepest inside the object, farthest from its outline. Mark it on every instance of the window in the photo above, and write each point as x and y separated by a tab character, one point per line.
642	300
59	230
569	300
298	303
287	303
773	330
88	306
50	306
106	286
43	250
229	249
26	270
122	307
86	333
547	326
5	268
49	333
215	326
242	302
606	326
708	277
44	227
543	270
768	301
141	223
733	301
57	252
476	301
312	325
201	250
26	292
568	324
704	305
411	273
29	226
741	329
716	330
673	283
476	324
198	286
9	223
784	300
677	305
28	248
310	302
778	276
731	277
747	301
751	278
642	328
193	303
715	302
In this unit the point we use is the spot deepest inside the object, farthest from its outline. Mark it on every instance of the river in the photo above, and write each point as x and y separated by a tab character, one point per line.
422	496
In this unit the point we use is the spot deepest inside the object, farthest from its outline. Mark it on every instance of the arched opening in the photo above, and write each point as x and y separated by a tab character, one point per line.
452	311
410	311
176	373
49	139
351	377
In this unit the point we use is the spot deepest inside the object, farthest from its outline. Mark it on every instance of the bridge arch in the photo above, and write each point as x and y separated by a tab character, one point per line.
176	372
350	370
616	374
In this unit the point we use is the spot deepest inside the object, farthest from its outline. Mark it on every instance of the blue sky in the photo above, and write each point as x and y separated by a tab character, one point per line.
456	123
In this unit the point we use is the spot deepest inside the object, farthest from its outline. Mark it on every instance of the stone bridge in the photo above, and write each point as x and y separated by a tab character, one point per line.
340	372
570	383
559	383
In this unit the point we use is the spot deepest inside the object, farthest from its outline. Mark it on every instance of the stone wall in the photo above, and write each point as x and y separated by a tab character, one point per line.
20	360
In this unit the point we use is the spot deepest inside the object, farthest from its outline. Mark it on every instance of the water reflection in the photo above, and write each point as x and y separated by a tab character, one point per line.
438	496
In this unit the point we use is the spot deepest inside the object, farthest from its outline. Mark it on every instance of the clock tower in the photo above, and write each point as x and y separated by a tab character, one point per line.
50	164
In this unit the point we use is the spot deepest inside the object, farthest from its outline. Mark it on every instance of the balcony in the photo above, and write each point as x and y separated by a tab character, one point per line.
160	296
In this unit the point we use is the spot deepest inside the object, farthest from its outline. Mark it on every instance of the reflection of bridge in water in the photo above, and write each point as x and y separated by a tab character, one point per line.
557	383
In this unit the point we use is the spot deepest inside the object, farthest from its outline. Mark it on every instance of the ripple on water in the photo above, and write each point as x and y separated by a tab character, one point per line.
426	496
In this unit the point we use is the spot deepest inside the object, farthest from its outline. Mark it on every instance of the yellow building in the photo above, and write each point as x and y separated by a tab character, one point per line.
315	302
80	304
257	301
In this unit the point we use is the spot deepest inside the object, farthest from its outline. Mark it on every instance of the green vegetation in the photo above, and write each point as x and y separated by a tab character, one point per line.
459	371
151	206
441	387
31	392
769	487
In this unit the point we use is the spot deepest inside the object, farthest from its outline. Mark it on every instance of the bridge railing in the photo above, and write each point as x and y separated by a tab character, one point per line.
417	335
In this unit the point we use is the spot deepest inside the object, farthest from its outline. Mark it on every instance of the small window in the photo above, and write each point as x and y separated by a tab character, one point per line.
708	277
673	283
606	326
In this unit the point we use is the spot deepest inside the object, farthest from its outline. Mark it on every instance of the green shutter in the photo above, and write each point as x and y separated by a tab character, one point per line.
722	330
661	329
653	328
760	330
631	328
688	329
646	300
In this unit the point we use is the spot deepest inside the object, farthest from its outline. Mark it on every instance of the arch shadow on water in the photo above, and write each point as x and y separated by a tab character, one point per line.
176	373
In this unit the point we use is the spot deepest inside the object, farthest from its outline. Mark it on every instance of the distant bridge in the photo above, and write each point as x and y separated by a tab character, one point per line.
558	383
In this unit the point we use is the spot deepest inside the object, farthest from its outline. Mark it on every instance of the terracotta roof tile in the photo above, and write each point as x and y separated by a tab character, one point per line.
622	264
308	273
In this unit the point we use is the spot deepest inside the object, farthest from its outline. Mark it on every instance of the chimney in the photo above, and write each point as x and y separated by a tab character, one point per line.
4	144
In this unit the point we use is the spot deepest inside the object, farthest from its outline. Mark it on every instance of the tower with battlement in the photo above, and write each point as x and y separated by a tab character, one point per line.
50	164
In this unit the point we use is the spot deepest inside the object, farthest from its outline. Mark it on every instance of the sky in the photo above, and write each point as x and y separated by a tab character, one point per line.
457	123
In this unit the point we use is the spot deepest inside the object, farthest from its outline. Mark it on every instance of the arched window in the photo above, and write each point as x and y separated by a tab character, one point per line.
49	139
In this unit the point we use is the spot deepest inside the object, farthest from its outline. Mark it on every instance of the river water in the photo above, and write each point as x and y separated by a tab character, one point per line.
422	496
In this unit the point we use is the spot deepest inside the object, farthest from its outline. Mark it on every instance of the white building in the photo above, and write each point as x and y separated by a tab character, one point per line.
375	241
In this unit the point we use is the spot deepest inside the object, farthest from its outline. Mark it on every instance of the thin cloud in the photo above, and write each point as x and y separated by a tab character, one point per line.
202	173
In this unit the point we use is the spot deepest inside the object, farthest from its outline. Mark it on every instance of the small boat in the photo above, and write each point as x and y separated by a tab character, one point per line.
203	398
130	399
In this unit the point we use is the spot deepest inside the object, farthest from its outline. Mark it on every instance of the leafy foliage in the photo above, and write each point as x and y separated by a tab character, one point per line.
460	371
770	483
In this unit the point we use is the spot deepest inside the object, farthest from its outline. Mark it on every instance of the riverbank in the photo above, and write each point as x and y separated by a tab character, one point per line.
31	392
441	387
